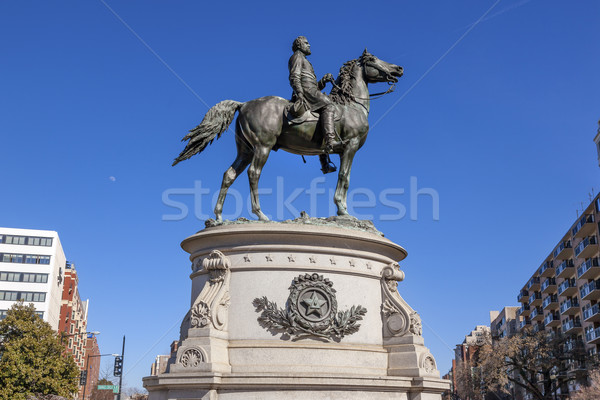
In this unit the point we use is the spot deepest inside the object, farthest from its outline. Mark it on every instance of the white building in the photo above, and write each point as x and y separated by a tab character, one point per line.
32	265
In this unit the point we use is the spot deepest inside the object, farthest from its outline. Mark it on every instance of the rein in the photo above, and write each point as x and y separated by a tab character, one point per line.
373	96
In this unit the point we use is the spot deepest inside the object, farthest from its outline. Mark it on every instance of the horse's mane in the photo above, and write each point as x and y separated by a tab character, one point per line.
344	86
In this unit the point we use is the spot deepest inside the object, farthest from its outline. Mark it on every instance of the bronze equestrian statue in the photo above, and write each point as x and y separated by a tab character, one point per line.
269	123
307	96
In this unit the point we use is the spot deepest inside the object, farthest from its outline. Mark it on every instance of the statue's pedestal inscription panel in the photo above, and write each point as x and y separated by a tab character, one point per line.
285	310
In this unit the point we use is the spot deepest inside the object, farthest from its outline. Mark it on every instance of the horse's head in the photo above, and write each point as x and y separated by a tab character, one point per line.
376	70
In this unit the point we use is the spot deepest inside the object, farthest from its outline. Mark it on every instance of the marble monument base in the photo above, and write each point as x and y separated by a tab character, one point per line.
301	310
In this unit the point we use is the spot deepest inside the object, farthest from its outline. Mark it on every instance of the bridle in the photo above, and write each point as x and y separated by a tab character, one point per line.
373	96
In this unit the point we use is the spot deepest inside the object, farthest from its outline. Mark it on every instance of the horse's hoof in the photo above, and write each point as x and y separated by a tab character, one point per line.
261	216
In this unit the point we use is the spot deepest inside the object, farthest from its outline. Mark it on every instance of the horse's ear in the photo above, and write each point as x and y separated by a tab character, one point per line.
365	52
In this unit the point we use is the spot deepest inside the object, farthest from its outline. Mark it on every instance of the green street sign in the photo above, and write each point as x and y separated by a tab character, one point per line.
115	389
109	387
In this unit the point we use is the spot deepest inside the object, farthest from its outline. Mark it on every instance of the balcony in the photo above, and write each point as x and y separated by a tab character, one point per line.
538	327
565	269
552	320
547	269
535	299
524	310
592	313
537	314
569	307
587	248
589	269
525	322
584	227
573	344
590	291
571	326
592	336
523	296
549	285
534	283
563	251
550	302
567	288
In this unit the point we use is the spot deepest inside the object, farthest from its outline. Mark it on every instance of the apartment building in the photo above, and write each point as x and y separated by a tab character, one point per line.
504	323
32	264
73	316
563	294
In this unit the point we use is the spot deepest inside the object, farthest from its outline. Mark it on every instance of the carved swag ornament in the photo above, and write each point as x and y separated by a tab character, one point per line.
311	310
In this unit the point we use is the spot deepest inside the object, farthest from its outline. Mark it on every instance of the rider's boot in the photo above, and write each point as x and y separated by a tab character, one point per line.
328	128
326	165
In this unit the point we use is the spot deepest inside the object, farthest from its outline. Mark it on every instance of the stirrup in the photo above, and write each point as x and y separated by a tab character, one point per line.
328	166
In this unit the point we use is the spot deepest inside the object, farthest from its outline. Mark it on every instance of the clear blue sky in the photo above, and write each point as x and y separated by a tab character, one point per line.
501	128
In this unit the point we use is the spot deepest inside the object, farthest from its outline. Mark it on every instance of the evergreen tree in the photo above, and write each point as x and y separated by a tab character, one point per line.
32	358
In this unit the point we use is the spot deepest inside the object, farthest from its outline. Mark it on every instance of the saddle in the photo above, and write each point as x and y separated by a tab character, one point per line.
296	113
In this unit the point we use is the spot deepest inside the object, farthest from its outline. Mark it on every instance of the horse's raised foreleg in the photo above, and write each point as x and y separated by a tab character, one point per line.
341	190
239	165
258	161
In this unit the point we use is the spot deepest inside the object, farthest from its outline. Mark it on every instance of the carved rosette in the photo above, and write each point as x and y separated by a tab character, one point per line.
399	318
428	363
312	310
212	304
191	358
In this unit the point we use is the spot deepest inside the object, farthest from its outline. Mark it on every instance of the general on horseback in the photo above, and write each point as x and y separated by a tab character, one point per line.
311	124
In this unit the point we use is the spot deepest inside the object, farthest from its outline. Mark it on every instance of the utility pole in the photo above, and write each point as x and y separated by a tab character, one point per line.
121	376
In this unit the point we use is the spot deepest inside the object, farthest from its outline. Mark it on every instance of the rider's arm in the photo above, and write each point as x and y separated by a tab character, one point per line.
321	84
295	66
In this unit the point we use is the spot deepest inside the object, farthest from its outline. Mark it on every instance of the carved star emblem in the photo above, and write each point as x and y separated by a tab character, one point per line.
332	260
368	265
351	262
291	258
268	257
246	258
312	260
314	305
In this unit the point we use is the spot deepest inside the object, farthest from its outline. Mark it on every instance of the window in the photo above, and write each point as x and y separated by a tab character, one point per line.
24	258
26	240
23	277
27	296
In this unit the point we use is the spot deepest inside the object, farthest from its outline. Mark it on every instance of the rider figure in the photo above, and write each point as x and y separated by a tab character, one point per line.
308	91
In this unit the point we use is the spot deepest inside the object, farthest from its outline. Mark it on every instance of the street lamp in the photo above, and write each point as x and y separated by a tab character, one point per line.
554	383
87	359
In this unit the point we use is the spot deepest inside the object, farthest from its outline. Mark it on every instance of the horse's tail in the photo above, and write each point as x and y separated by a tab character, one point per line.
214	123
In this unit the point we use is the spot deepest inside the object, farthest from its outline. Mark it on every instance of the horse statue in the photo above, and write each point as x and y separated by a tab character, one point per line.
264	124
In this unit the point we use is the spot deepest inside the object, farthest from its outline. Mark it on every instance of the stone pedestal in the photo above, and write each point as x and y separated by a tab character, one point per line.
297	311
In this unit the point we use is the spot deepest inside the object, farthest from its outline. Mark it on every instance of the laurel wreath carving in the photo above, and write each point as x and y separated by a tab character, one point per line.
289	320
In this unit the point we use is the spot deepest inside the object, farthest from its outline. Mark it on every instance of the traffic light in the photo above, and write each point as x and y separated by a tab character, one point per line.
82	378
118	366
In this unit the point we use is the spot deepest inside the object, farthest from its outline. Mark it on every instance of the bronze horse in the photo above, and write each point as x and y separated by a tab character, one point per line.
262	126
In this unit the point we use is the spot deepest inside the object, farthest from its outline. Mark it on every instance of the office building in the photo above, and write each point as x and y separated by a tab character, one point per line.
32	264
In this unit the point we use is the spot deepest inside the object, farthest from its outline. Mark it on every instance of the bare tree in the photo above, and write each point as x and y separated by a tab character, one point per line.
539	363
592	391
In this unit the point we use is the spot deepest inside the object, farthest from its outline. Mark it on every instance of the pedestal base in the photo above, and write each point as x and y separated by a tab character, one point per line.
297	311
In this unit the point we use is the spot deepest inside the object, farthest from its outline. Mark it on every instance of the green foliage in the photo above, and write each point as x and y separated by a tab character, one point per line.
33	361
